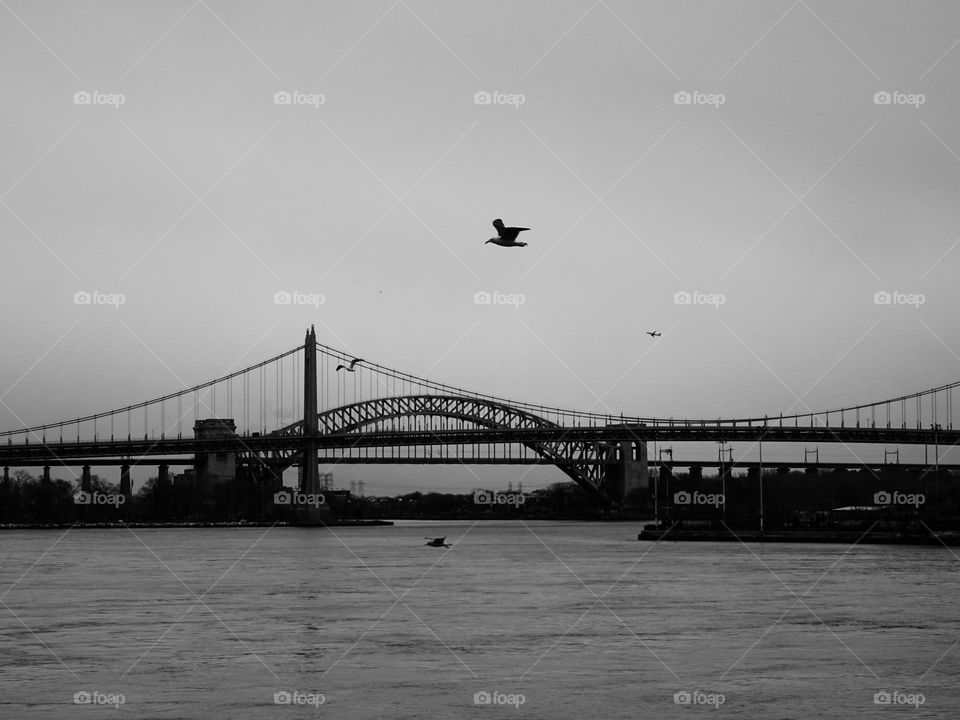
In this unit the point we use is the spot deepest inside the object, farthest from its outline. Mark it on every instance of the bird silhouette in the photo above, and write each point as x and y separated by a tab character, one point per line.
349	368
654	333
506	236
437	542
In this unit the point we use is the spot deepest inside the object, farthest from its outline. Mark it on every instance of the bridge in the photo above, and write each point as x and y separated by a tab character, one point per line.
297	409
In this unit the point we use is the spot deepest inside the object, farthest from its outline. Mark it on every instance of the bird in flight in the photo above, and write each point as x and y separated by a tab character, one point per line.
506	236
654	333
349	368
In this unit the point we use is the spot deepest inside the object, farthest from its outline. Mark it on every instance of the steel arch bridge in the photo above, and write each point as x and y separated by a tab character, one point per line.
587	462
310	403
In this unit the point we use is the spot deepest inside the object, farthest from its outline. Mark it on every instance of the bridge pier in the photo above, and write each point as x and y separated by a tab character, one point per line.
46	475
695	474
85	479
6	476
630	473
125	488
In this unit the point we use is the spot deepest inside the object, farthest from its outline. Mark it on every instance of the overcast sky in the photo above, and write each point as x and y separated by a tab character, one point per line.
782	198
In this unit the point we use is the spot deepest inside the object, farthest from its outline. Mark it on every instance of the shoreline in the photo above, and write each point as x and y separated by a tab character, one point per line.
846	537
186	524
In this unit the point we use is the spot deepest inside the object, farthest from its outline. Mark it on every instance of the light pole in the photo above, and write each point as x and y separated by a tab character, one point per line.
723	478
761	484
668	451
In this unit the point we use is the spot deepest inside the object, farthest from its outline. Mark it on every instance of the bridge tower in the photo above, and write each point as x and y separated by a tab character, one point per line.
310	475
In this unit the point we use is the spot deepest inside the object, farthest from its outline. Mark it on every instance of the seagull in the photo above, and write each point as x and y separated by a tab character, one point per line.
654	333
437	542
349	368
506	236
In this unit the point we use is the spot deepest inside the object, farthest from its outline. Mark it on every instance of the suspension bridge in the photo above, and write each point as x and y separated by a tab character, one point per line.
297	409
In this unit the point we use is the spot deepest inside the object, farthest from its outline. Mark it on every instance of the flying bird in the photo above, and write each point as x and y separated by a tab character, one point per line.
654	333
437	542
349	368
506	236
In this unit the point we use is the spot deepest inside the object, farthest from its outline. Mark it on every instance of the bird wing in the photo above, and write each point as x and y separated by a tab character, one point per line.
340	367
519	229
498	224
358	360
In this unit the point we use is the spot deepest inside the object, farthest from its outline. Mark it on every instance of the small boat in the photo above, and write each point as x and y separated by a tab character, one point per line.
437	542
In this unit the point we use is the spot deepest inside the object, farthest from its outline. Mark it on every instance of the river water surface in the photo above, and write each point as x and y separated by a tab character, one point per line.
544	620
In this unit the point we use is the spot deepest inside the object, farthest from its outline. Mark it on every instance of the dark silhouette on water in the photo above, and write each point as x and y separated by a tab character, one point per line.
437	542
506	236
350	367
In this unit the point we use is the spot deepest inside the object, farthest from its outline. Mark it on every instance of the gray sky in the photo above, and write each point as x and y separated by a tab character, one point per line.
783	187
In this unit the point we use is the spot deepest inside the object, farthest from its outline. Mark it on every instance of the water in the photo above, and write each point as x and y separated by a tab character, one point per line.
580	619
